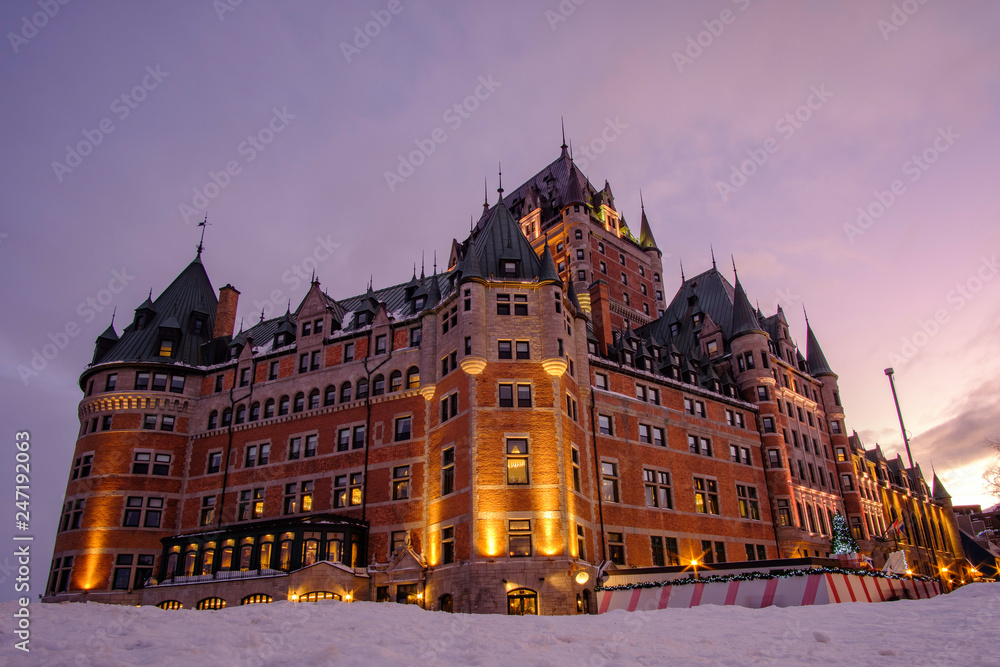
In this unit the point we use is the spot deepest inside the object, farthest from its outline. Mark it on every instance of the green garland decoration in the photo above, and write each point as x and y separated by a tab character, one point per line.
760	576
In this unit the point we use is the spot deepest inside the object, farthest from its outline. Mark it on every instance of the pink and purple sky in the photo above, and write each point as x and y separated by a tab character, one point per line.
887	107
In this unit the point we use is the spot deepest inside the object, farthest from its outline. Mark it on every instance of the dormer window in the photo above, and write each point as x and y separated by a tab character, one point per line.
419	302
675	328
166	348
198	326
279	340
508	268
696	319
318	326
140	319
363	318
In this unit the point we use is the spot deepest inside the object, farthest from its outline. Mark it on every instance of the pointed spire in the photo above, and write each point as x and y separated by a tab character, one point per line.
646	240
683	279
713	256
486	196
203	224
939	492
421	265
574	188
818	364
500	180
261	314
113	313
548	271
573	298
563	148
744	318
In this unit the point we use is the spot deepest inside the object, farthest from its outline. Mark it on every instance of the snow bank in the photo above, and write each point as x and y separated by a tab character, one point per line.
953	629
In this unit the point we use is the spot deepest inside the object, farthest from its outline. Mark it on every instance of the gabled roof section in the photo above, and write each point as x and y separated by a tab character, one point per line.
817	360
501	238
708	293
190	292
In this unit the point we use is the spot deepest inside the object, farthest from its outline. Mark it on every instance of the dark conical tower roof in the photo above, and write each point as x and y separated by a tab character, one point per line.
575	188
646	240
573	298
744	317
817	360
109	334
939	492
548	271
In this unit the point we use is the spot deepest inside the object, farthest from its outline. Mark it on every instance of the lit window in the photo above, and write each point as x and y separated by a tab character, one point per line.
609	482
520	538
517	461
401	482
658	489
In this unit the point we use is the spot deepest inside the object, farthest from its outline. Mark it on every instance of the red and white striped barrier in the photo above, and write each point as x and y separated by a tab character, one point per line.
801	591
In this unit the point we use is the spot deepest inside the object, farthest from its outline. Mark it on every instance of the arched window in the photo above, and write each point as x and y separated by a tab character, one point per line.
362	388
256	598
345	392
314	596
300	402
241	413
170	604
283	405
227	417
395	381
412	377
207	558
268	408
330	395
446	603
213	419
378	385
314	399
212	603
190	556
522	602
254	411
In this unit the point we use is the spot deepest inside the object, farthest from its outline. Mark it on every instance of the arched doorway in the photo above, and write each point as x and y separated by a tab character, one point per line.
446	603
522	602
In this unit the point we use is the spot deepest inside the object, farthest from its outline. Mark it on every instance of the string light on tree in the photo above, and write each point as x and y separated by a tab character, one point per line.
842	542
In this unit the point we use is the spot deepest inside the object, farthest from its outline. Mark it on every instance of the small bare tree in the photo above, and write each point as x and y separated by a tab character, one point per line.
991	477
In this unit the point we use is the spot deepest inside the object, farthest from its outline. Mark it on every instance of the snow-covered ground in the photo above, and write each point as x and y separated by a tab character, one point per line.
955	629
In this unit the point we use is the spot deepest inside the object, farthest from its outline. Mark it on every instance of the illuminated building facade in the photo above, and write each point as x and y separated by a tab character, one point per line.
483	439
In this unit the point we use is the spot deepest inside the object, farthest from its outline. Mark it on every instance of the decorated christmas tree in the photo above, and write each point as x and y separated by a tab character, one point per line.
842	542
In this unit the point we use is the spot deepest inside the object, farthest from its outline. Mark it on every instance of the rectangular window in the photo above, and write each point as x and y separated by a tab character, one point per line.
524	395
521	305
604	424
506	395
295	448
251	456
207	511
402	428
609	482
310	445
504	349
358	441
219	379
167	423
401	482
214	462
448	545
644	434
600	380
659	437
348	351
616	548
447	471
522	349
106	423
142	380
706	495
658	489
517	461
503	304
416	335
303	365
140	463
111	382
468	345
519	536
380	344
159	381
748	503
576	469
149	421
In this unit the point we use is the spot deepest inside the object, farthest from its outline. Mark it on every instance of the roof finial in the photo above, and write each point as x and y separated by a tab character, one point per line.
435	262
262	314
486	196
713	255
641	204
421	264
734	267
805	314
113	316
203	224
150	293
500	179
570	149
563	124
682	270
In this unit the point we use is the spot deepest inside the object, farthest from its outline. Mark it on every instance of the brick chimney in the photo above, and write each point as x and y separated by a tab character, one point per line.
225	314
600	313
